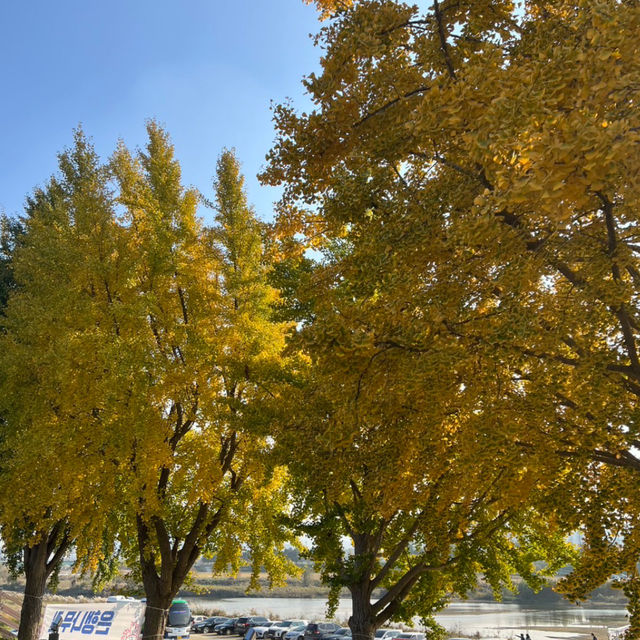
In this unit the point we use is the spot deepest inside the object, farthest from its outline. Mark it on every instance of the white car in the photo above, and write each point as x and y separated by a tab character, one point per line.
279	630
261	631
297	633
409	635
384	634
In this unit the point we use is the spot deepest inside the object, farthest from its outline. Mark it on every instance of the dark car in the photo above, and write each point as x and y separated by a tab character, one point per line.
317	630
241	625
340	634
204	626
246	622
208	625
194	625
226	628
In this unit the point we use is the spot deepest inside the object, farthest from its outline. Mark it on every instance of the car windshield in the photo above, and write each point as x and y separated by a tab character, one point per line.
179	614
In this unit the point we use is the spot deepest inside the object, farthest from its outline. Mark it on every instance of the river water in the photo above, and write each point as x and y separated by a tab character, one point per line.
489	620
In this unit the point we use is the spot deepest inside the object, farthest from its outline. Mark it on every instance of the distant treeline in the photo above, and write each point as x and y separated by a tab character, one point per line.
605	595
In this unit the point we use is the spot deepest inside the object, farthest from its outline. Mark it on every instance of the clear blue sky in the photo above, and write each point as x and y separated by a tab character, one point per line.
205	69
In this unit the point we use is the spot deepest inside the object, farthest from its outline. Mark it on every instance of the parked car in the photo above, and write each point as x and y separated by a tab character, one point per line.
226	628
409	635
241	625
340	634
261	630
246	622
258	621
317	630
196	620
281	628
295	633
383	634
207	625
210	623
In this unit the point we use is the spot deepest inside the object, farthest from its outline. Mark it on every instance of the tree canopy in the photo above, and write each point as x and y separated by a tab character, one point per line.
470	171
458	283
54	475
137	353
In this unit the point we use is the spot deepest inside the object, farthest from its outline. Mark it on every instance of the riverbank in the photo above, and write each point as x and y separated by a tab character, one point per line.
309	585
478	620
461	619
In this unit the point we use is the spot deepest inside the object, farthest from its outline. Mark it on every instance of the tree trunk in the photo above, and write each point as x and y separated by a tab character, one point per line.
36	574
159	596
40	561
175	563
155	616
362	620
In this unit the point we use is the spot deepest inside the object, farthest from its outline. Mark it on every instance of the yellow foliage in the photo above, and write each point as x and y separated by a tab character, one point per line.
329	7
138	357
484	164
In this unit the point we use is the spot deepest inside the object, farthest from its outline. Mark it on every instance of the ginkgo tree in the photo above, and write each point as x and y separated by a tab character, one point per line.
407	455
53	467
140	383
200	472
206	354
10	232
516	130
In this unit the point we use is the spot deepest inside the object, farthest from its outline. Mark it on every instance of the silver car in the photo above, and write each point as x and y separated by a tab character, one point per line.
279	630
297	633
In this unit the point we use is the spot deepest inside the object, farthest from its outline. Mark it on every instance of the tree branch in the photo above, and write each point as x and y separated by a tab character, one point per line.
388	105
444	47
396	553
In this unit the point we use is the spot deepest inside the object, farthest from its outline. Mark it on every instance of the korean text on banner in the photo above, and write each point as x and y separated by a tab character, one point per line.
100	621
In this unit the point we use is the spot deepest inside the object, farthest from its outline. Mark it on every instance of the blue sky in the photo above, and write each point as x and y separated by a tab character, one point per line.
205	69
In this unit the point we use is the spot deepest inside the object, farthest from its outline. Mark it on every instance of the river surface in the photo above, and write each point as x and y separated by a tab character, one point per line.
489	620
